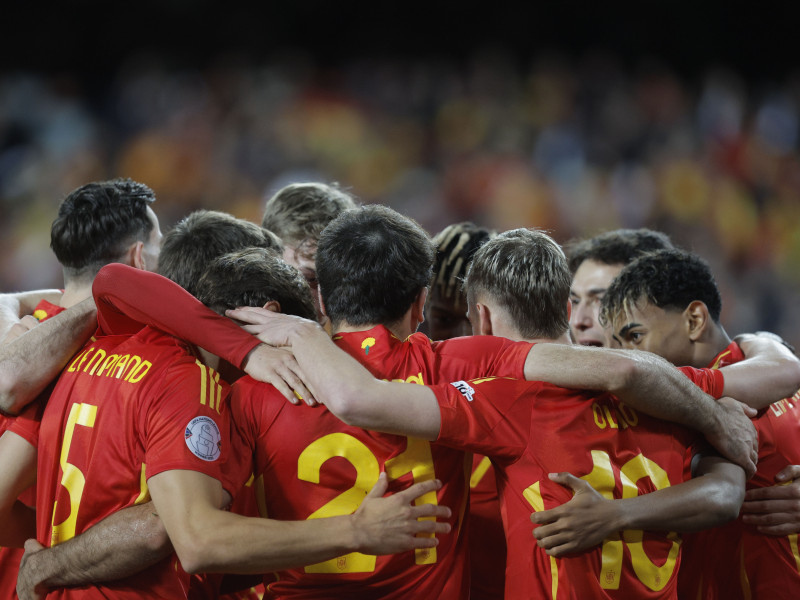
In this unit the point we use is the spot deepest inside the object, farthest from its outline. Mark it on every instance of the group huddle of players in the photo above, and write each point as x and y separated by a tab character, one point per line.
225	411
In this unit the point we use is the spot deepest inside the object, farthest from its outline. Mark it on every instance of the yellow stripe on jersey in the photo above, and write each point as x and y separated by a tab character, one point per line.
479	471
203	376
795	551
144	493
719	359
743	579
534	497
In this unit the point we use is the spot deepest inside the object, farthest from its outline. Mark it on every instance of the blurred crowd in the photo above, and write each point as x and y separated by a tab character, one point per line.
572	146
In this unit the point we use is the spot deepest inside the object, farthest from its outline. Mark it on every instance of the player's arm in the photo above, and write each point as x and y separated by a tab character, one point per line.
129	299
652	385
770	371
120	545
18	473
348	390
775	510
16	305
711	498
208	539
31	361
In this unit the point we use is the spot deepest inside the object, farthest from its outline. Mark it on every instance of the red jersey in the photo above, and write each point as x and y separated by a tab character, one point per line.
127	408
10	557
487	540
313	465
530	429
735	561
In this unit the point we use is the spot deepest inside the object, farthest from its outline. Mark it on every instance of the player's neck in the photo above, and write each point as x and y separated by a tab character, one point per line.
75	293
400	331
710	345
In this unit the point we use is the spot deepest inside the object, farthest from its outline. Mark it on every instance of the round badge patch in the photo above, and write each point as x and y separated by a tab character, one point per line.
203	438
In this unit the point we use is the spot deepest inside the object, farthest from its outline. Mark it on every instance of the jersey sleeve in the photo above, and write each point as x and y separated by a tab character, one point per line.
484	416
711	381
481	356
127	299
186	424
27	423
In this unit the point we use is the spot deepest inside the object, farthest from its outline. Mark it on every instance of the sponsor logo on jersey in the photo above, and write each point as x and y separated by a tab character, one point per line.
367	344
203	438
466	389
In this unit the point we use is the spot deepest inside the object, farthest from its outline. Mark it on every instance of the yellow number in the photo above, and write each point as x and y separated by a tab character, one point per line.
602	479
416	459
72	478
367	470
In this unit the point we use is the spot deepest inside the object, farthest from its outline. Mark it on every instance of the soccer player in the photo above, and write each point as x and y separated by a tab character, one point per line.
446	318
297	213
146	405
366	252
594	262
189	246
668	303
97	223
532	429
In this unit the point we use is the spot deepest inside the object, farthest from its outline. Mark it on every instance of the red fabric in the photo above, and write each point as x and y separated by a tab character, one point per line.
309	462
487	540
735	561
530	429
152	406
129	298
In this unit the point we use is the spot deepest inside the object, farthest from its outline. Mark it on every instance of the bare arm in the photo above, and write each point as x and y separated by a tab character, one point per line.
121	545
770	372
712	498
207	539
31	361
348	390
18	458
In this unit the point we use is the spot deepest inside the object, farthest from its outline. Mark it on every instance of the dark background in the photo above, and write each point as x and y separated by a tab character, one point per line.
756	39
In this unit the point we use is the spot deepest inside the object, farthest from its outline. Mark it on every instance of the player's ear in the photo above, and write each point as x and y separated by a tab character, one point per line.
418	308
484	319
569	309
697	319
273	305
135	256
322	310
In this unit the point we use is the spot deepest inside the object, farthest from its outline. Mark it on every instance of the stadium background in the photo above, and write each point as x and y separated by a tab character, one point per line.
572	117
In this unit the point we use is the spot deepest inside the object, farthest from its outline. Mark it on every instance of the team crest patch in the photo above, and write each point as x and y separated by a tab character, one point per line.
203	438
466	389
367	344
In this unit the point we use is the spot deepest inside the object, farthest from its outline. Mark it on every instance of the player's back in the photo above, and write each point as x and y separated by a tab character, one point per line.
532	429
313	465
107	427
735	561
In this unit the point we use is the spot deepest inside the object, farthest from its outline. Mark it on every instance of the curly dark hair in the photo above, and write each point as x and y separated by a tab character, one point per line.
667	279
617	247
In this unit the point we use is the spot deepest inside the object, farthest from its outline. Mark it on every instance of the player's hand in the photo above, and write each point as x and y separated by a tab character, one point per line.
28	586
577	525
392	524
735	436
273	328
24	325
279	367
775	510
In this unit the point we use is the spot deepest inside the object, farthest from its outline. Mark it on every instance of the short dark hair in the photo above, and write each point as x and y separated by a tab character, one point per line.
372	263
526	272
97	222
665	278
617	247
253	277
298	212
455	245
189	247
